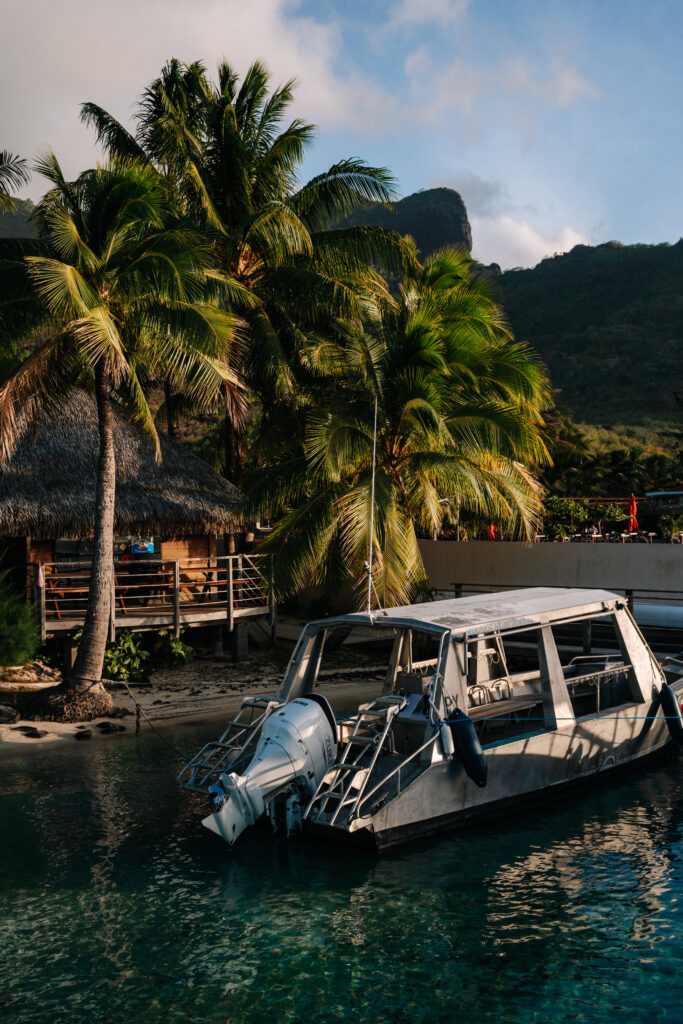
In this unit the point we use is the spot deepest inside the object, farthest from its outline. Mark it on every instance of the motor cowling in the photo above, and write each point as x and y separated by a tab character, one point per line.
296	748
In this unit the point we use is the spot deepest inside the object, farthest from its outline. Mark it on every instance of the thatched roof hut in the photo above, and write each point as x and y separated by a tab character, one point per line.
47	489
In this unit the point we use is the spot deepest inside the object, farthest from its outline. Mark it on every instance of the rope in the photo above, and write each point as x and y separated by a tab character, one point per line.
139	710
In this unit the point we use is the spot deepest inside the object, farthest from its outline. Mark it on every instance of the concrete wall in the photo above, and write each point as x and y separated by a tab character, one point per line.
637	567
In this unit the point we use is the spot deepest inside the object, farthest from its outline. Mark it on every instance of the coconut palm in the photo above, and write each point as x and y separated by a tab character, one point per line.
458	427
235	165
121	294
13	174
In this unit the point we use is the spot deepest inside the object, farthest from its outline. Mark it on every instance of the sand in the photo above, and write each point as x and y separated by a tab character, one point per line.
204	690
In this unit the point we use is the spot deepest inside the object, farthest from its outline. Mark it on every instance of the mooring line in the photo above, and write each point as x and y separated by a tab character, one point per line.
139	710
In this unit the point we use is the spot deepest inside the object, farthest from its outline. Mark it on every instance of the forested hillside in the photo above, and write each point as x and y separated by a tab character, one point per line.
17	224
434	217
608	321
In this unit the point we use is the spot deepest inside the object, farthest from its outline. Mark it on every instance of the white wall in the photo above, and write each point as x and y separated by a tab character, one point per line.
637	567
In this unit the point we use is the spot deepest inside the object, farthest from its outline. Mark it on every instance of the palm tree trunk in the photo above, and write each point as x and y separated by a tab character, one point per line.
89	660
230	457
171	428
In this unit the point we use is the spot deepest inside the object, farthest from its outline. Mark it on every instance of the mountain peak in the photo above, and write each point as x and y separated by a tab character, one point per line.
434	217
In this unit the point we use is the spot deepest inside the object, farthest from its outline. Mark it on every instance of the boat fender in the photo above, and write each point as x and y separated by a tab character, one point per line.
672	712
446	736
467	747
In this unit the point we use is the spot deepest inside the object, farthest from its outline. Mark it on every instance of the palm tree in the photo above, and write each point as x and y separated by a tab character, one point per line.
13	174
120	294
225	149
458	427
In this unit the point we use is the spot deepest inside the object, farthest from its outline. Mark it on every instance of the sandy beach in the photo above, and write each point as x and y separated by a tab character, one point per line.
203	690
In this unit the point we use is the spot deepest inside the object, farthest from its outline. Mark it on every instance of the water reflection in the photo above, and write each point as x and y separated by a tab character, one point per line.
115	905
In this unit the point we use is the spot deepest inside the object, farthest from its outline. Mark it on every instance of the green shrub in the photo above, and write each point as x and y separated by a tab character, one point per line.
171	650
18	634
671	526
126	658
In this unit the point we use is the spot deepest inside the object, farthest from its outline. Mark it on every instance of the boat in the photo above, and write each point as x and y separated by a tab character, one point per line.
485	705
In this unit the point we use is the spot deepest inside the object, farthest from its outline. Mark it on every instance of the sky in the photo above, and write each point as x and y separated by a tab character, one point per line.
558	121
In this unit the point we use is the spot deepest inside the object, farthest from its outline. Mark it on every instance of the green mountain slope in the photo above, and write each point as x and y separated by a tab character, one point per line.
608	321
434	217
17	224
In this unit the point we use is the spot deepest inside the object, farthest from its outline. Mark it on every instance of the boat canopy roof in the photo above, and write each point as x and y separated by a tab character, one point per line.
490	613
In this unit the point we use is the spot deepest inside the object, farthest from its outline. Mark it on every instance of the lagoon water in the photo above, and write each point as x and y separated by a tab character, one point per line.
115	905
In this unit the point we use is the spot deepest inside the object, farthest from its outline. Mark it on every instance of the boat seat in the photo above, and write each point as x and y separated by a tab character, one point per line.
499	708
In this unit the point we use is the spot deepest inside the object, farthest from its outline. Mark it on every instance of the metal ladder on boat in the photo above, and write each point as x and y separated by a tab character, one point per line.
345	782
231	751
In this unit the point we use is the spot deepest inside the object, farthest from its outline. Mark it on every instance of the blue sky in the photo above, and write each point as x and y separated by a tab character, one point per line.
559	122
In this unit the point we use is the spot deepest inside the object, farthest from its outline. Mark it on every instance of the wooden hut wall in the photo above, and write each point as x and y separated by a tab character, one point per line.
182	548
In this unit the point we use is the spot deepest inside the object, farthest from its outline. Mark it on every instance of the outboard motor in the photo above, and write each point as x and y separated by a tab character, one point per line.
296	748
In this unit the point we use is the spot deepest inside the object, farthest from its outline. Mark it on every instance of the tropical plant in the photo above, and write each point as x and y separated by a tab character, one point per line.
18	636
13	174
119	292
125	658
671	526
458	427
235	166
172	650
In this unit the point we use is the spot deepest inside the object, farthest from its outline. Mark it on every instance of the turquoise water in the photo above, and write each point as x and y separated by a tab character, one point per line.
115	905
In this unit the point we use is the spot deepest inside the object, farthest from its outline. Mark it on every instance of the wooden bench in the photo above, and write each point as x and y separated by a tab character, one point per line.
501	708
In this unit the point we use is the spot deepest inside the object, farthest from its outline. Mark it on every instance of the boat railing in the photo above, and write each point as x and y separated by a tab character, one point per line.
398	769
383	708
600	658
229	751
595	679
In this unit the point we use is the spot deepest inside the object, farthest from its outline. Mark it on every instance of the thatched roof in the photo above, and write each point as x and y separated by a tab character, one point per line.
47	489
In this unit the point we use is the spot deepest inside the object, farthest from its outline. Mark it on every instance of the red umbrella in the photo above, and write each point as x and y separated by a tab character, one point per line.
632	509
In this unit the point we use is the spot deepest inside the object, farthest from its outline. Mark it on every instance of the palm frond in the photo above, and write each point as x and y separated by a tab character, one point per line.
110	133
13	174
347	185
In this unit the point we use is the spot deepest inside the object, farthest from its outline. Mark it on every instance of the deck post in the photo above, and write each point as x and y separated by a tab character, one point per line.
39	591
273	603
228	589
112	610
176	598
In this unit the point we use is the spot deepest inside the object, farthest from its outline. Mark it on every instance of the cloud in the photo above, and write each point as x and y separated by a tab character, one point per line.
509	93
515	243
481	197
424	12
560	86
53	57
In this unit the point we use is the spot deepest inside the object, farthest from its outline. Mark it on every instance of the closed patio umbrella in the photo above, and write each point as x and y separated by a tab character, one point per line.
632	509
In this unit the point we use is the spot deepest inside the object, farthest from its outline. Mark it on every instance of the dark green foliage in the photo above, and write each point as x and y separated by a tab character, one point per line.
671	526
126	658
608	322
17	223
170	650
18	636
434	217
458	415
579	470
566	516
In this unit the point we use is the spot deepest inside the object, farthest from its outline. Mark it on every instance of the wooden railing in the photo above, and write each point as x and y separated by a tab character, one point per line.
163	592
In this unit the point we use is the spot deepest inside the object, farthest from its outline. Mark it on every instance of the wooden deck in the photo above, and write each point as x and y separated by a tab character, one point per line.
158	594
